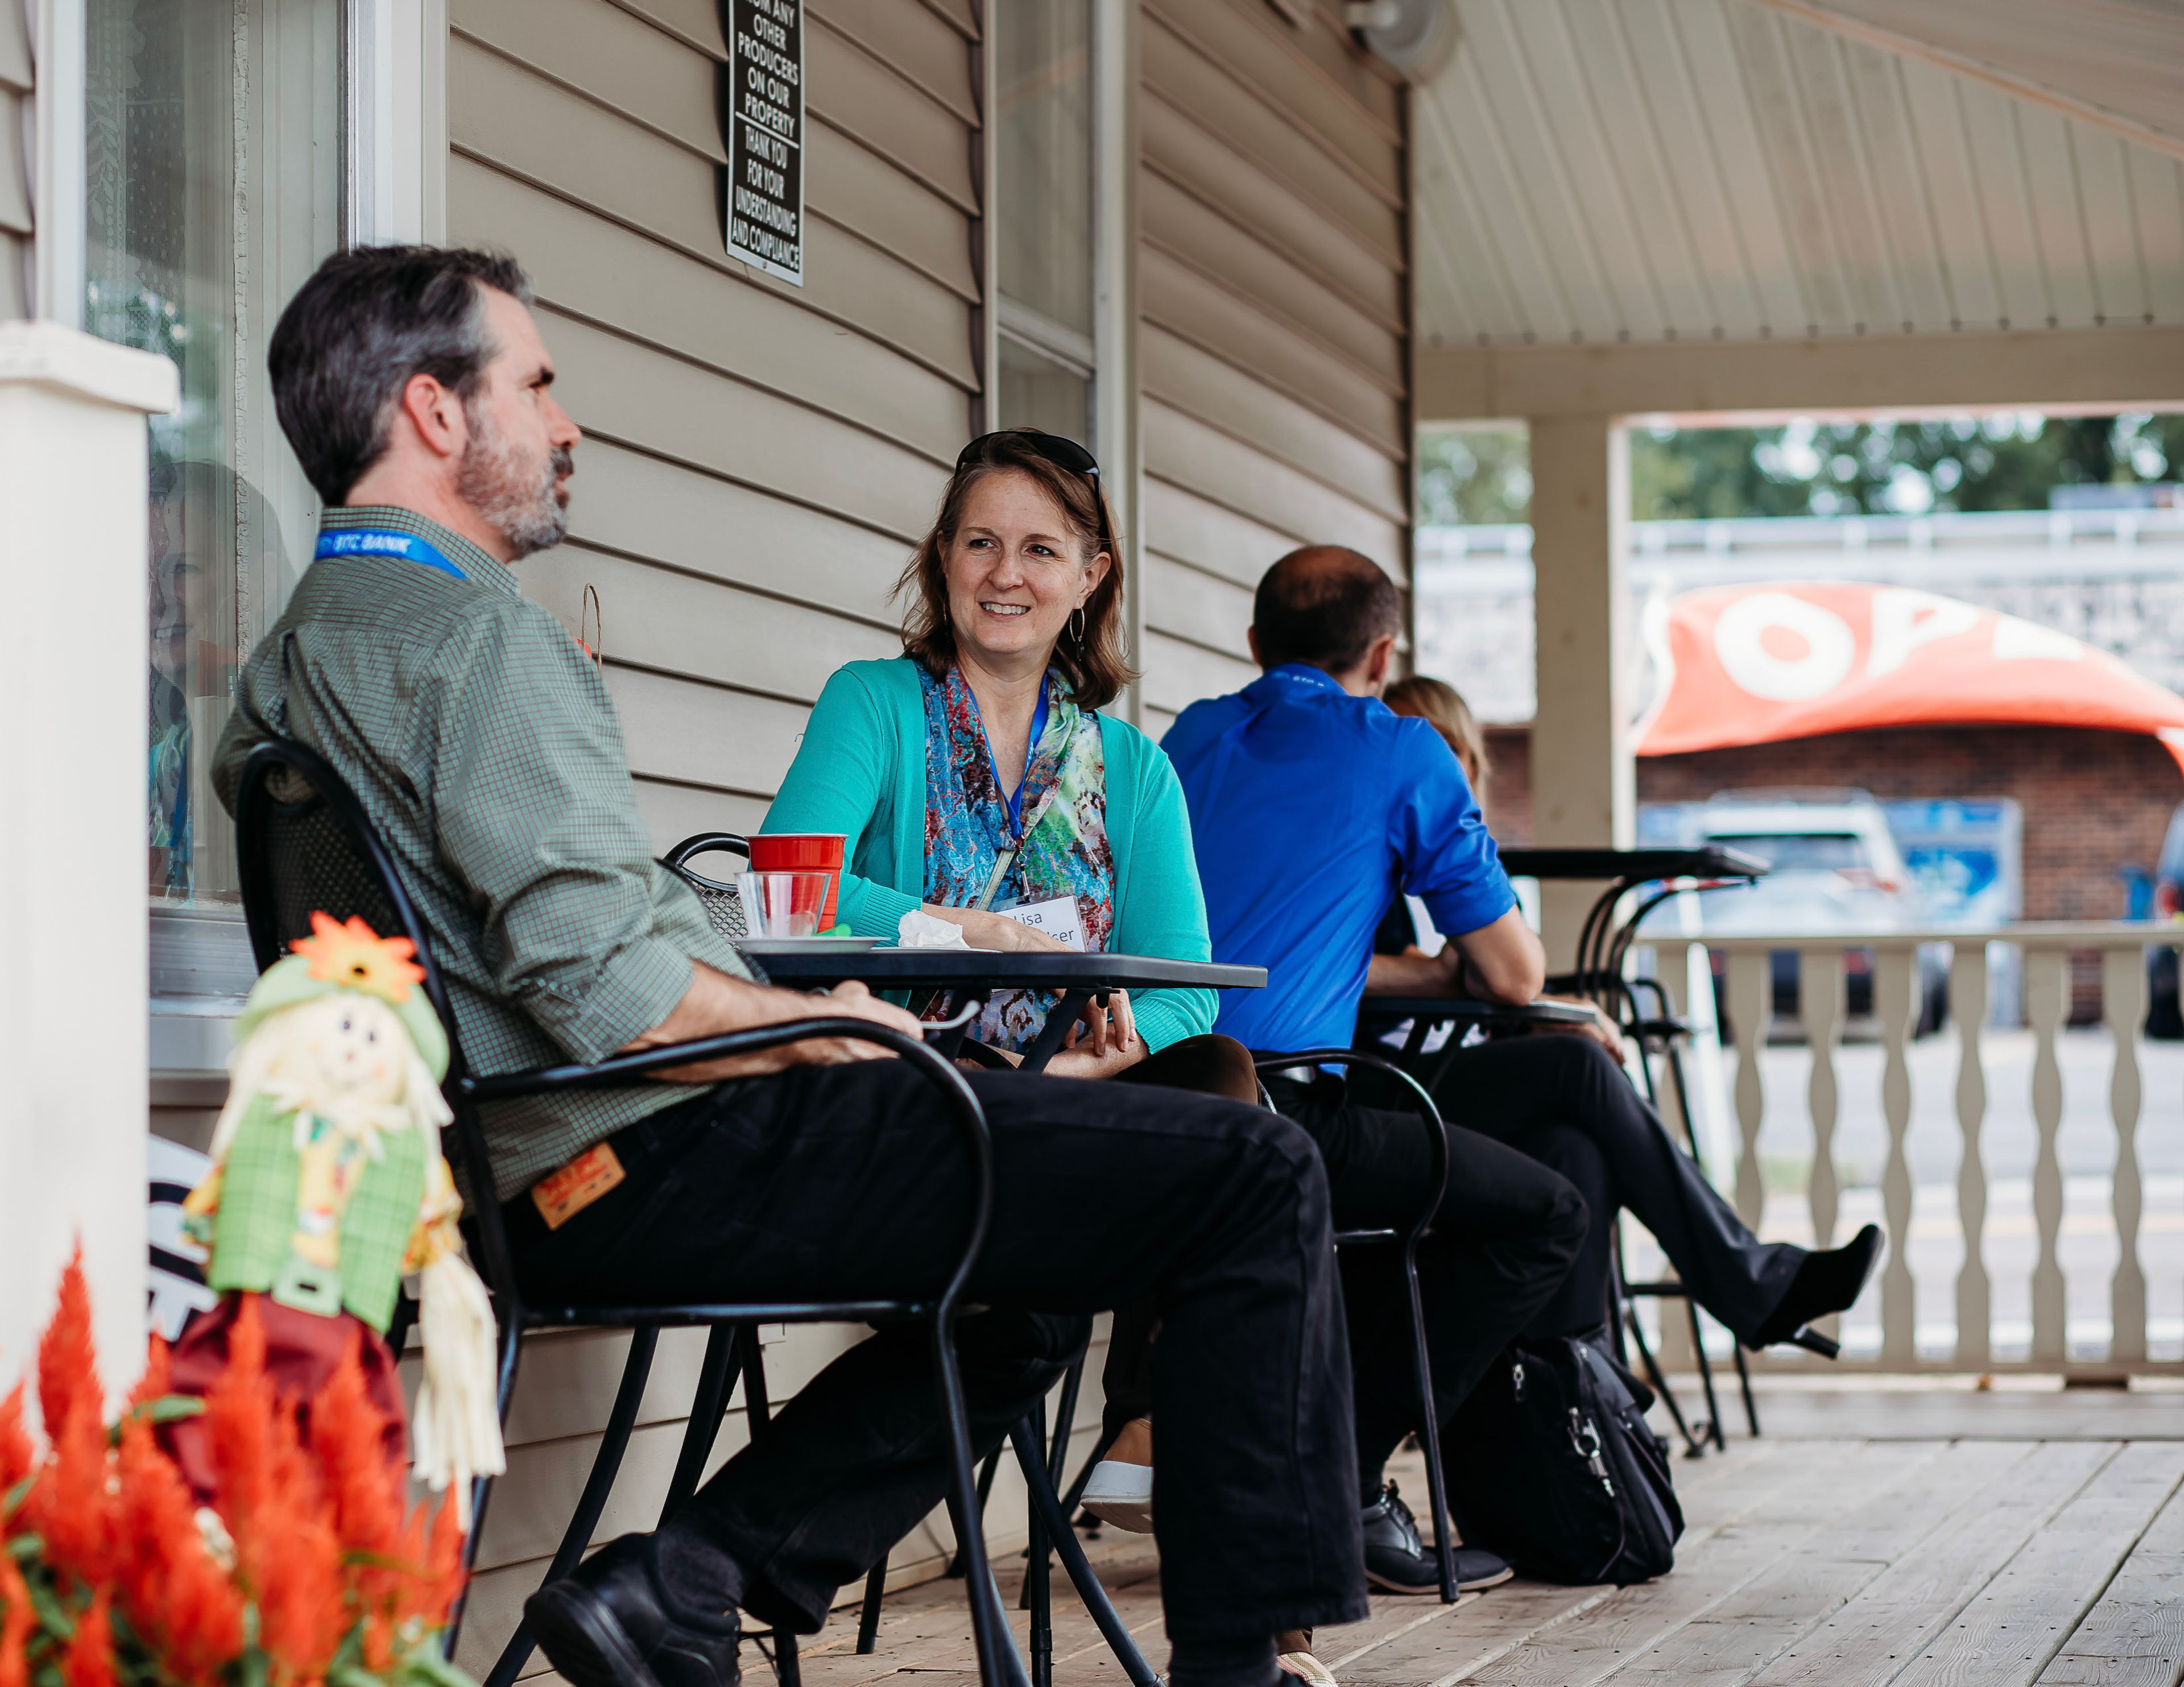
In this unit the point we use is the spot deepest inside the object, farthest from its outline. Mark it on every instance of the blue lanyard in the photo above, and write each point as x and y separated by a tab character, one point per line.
1031	749
382	542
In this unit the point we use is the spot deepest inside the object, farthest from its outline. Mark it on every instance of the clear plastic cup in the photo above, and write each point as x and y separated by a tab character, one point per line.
783	904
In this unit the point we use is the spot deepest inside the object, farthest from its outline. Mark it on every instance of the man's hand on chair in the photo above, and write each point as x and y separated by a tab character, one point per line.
715	1003
1601	1027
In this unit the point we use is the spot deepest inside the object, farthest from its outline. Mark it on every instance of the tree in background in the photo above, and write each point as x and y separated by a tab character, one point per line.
2006	461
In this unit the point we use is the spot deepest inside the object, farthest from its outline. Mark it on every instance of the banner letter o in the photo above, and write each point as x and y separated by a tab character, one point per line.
1740	643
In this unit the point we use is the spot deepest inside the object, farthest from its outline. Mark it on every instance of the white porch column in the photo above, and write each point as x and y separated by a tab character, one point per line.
1583	785
73	964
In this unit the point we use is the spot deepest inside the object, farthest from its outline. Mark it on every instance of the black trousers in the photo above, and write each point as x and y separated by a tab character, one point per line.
845	1181
1565	1102
1507	1233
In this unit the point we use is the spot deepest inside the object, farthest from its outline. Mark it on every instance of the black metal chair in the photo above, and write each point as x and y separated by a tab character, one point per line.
723	904
307	845
1408	1240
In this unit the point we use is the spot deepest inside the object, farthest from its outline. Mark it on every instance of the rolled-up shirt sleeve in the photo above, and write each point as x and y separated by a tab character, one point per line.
1448	861
533	806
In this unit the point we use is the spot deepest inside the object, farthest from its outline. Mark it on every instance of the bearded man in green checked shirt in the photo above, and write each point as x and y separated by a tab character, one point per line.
418	394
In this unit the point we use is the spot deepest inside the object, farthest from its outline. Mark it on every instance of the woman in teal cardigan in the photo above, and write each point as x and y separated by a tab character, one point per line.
974	776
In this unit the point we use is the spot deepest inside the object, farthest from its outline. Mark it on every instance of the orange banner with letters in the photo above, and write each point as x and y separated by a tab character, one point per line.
1748	665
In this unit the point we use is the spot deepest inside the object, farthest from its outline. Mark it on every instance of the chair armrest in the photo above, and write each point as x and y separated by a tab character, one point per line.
934	1068
1429	1115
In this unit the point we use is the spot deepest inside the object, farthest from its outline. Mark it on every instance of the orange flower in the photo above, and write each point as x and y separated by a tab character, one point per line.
158	1379
16	1455
69	1505
355	955
238	1419
435	1549
177	1598
68	1364
17	1619
287	1558
89	1661
346	1441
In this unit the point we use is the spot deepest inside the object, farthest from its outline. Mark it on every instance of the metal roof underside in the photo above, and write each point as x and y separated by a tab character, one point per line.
1596	171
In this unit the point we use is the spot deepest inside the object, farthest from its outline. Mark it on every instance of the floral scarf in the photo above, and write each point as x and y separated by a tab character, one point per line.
1061	851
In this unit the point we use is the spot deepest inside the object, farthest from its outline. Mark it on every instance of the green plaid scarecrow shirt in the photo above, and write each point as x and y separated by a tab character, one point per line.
483	746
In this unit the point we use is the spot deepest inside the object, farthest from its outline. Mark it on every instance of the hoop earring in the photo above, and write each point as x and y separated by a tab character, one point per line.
1077	625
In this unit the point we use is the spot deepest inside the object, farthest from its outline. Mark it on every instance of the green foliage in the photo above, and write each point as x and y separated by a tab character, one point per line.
2006	461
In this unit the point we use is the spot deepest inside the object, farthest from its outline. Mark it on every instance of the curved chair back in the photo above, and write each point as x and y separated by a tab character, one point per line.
723	903
306	846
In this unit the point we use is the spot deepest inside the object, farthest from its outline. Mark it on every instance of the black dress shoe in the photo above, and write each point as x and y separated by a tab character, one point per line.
1397	1561
611	1624
1826	1281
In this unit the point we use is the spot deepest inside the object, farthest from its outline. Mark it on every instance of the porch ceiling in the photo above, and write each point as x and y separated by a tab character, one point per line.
1604	171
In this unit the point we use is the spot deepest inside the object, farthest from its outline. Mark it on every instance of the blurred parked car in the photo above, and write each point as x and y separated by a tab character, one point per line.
1835	867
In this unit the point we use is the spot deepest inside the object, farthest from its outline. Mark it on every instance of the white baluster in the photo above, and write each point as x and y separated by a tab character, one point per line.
2123	1007
1968	1007
1895	1004
1672	966
1820	1008
2047	999
1750	1005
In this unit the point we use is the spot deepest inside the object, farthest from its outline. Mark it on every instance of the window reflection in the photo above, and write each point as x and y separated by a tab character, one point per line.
213	187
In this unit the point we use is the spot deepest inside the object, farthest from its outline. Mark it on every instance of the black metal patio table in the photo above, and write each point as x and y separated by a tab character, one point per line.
1080	978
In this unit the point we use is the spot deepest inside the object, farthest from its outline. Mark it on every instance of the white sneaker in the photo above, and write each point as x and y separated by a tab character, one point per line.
1122	1494
1302	1663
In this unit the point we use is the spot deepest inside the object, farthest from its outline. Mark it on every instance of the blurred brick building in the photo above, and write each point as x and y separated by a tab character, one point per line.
2093	801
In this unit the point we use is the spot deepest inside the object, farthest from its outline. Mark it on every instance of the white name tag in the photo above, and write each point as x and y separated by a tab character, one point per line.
1057	916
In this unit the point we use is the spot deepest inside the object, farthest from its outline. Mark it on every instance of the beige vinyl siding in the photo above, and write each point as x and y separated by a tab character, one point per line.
1272	297
759	461
15	79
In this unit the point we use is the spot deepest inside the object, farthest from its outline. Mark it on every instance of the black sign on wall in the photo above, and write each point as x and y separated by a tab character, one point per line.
765	135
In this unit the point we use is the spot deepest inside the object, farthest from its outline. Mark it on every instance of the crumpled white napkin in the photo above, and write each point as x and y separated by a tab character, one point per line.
918	929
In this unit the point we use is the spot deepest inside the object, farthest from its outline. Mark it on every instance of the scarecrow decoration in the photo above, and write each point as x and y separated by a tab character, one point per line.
328	1187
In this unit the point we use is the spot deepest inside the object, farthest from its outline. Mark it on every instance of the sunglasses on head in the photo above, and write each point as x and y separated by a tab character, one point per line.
1063	453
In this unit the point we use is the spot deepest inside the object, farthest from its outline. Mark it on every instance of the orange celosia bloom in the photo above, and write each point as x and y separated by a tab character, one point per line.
286	1555
68	1364
346	1431
17	1455
89	1660
69	1505
176	1596
158	1379
238	1422
16	1620
436	1551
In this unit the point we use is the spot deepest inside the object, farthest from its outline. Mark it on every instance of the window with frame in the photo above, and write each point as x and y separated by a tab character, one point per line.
1044	252
213	180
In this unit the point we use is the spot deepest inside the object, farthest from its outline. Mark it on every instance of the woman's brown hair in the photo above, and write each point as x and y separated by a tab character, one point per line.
1442	706
1091	663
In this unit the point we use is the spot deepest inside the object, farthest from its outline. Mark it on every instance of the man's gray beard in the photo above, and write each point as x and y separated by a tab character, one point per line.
530	511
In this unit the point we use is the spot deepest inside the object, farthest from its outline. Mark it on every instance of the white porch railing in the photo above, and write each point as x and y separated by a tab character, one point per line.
2045	949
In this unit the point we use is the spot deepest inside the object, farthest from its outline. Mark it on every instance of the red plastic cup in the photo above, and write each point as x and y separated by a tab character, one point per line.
802	852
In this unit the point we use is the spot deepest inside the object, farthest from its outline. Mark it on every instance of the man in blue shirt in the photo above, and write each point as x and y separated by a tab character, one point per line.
1311	806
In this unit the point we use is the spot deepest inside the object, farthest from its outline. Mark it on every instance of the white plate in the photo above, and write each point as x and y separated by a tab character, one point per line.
845	945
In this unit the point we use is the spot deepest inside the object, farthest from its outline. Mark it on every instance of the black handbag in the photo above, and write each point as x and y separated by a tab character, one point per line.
1552	1465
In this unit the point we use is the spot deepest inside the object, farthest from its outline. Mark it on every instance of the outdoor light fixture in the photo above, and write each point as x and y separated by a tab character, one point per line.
1418	38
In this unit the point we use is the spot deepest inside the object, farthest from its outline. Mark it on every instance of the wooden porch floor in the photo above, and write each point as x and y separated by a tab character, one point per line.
1842	1561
